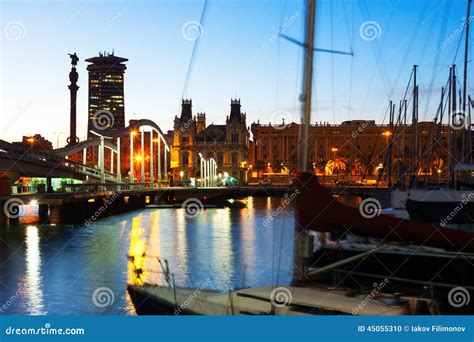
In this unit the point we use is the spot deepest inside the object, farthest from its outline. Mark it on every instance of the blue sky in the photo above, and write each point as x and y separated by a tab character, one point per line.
237	56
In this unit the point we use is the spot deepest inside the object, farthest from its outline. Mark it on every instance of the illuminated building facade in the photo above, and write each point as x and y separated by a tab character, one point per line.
106	91
228	144
356	147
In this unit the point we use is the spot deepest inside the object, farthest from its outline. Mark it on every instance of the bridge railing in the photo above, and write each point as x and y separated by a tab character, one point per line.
51	160
85	188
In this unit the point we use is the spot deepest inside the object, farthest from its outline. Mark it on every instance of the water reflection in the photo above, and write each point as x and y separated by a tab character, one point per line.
33	272
61	266
137	274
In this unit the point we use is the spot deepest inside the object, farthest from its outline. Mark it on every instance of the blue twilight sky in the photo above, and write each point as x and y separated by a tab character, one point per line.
239	55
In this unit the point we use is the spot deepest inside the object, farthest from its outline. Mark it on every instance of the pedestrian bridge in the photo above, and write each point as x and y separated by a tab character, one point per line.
17	160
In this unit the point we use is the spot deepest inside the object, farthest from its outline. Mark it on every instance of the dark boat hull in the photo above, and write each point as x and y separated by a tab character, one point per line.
427	275
442	213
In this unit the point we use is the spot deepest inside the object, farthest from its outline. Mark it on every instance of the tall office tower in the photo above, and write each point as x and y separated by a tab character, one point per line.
106	96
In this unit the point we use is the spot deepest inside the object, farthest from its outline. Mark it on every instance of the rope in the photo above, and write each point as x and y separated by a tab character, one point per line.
195	49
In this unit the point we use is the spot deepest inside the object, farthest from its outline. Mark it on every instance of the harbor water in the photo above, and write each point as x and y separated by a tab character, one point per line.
84	269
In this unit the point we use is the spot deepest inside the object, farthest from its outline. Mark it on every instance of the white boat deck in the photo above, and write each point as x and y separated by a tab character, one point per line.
256	301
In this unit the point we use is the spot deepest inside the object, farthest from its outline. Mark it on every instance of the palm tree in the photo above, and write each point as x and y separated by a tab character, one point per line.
334	166
358	167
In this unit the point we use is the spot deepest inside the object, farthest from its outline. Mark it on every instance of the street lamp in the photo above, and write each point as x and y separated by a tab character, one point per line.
387	134
334	150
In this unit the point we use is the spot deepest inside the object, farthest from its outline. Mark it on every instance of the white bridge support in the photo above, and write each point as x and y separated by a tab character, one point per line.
142	156
159	161
102	160
160	140
113	171
132	171
152	176
119	172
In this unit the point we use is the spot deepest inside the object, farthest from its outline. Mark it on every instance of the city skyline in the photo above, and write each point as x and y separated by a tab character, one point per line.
255	65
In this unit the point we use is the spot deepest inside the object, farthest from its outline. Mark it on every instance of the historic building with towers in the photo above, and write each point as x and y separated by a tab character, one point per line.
192	140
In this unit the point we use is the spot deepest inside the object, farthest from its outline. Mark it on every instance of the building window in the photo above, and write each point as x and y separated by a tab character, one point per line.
185	159
220	159
184	140
235	158
235	138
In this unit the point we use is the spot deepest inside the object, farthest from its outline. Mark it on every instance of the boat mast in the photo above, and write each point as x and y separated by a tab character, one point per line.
415	127
464	89
453	112
305	97
449	155
302	242
389	142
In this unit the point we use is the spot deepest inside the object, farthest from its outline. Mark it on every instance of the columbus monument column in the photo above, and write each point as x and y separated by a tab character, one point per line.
73	87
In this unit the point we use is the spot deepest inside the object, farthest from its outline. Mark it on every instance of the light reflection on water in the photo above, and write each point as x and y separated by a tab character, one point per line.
62	265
